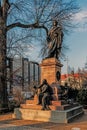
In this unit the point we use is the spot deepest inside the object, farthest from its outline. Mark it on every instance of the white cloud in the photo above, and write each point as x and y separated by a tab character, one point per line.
81	19
81	16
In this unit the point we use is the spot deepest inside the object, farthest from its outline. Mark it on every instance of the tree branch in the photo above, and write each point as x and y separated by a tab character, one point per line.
35	25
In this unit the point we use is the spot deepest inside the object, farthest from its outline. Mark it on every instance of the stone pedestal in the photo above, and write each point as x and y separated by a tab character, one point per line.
50	67
55	116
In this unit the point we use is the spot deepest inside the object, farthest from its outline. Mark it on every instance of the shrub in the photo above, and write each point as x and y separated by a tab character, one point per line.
82	96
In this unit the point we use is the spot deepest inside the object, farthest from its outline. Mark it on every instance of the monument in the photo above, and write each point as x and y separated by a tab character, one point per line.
59	111
51	65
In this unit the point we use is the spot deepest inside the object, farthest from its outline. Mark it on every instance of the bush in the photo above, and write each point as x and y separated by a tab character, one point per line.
13	104
82	97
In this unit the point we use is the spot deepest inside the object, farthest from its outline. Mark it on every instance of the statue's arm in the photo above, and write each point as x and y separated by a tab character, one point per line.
40	86
44	89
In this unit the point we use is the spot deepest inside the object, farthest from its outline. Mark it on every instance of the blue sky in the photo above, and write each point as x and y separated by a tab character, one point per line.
77	41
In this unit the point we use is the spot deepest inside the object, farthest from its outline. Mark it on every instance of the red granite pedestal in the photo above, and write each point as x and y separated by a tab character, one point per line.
49	69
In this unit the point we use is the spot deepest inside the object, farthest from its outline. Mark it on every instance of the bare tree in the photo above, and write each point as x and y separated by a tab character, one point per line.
36	15
17	46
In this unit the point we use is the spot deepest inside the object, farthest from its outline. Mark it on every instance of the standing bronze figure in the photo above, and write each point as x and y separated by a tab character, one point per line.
54	40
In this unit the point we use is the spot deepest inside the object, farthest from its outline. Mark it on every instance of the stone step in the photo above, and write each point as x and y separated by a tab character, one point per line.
31	102
31	106
57	103
63	107
57	116
52	107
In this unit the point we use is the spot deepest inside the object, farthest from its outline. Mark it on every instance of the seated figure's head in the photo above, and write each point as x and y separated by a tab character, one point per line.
44	81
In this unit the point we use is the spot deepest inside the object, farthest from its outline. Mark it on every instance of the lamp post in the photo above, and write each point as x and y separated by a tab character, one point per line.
67	61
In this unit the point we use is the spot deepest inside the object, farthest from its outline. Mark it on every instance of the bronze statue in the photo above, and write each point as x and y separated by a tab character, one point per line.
54	40
44	96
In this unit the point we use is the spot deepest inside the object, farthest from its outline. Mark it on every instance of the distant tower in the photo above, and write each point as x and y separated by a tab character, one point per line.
86	64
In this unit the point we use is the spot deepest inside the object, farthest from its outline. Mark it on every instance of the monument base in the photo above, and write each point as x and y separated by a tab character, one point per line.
60	111
64	116
49	69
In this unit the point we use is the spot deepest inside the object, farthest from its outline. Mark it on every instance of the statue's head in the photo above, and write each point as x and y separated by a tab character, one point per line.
44	81
55	22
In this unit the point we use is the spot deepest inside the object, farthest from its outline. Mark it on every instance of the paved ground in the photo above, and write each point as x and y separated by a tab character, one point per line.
7	123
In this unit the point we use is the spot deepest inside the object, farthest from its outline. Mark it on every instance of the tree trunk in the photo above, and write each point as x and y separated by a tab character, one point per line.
3	70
